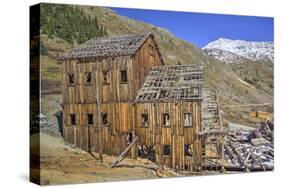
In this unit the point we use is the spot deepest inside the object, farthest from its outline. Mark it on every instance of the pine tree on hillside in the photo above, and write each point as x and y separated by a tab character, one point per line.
69	23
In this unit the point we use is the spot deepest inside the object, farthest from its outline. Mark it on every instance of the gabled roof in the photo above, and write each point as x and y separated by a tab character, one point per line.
108	47
172	83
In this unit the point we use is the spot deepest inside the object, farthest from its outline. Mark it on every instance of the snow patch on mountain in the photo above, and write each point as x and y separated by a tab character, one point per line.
233	51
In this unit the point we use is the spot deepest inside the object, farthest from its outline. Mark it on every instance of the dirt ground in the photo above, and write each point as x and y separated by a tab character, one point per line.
62	164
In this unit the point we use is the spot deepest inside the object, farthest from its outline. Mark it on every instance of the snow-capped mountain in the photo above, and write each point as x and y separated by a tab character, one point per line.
234	51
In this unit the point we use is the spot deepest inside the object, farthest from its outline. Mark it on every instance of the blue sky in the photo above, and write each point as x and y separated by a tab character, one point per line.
199	28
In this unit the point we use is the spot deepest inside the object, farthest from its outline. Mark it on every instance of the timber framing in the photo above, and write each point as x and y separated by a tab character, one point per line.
170	83
212	132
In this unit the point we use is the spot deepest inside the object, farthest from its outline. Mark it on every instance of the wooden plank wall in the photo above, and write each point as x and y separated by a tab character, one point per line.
120	122
114	91
175	135
144	61
80	98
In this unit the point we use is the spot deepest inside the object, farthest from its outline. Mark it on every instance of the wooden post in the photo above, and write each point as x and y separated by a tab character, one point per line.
100	145
222	153
134	147
89	140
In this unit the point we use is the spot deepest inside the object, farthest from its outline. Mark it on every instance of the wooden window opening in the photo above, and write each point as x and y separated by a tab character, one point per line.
187	119
105	77
129	138
144	120
167	150
124	76
88	78
188	150
71	79
90	119
72	119
104	118
166	119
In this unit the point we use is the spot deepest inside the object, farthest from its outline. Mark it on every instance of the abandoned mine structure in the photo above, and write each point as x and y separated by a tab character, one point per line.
119	98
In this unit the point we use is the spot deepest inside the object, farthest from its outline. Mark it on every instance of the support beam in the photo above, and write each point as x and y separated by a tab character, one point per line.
100	144
123	154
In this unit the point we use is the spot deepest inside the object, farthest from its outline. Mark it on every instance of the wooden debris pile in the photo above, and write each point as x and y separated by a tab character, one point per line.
250	150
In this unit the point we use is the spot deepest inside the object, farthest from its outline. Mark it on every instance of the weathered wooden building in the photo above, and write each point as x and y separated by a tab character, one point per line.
168	115
116	90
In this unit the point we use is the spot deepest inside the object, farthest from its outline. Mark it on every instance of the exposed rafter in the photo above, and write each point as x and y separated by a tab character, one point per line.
169	83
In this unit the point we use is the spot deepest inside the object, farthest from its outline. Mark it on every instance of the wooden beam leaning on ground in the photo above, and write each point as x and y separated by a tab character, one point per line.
123	154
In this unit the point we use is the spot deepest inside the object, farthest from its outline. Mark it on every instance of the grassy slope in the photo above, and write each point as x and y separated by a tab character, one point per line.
50	69
227	79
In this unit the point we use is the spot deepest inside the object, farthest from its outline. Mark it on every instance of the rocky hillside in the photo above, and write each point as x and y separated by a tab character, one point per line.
235	84
232	51
252	61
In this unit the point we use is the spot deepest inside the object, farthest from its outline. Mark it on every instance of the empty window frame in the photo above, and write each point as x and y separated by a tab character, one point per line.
71	79
144	120
72	119
88	78
129	138
188	150
167	150
124	76
166	119
90	119
187	119
105	77
104	118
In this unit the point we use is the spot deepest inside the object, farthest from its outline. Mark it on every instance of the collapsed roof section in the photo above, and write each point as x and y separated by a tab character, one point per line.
124	45
171	83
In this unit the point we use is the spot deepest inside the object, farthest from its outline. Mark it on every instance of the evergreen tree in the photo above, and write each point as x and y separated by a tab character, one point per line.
69	23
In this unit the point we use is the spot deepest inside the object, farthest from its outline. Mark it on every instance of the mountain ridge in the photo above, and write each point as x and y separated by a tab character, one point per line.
228	50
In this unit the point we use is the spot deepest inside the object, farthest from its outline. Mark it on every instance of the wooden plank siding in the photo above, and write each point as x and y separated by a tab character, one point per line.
113	91
114	132
124	116
144	60
175	135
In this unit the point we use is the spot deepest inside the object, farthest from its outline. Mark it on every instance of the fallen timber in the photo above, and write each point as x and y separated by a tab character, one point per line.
124	153
250	150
